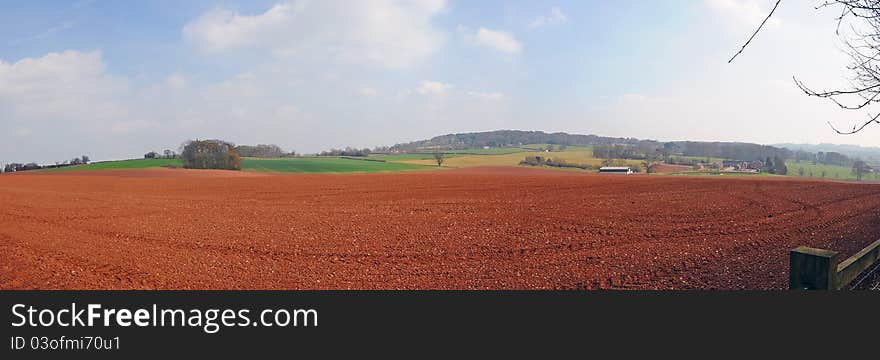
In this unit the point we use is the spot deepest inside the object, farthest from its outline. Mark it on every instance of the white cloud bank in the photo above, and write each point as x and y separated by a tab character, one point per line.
388	33
69	85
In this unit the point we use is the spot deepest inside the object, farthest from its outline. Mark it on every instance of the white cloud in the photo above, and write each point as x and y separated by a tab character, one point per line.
494	96
221	29
493	39
69	85
368	92
555	17
428	87
388	33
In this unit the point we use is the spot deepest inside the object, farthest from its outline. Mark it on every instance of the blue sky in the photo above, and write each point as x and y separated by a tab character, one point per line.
116	79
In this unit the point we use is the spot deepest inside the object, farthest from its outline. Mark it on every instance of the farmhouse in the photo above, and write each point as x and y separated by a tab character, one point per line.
741	165
615	170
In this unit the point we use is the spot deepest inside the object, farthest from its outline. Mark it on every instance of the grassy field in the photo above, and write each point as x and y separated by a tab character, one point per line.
122	164
407	157
287	165
815	171
675	158
326	165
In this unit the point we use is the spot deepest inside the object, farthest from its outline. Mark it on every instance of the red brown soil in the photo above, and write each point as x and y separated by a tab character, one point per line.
497	228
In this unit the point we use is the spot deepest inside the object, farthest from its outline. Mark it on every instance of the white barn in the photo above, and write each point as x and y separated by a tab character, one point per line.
625	170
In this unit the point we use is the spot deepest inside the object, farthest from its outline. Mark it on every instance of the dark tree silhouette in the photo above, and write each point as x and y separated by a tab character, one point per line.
439	157
859	169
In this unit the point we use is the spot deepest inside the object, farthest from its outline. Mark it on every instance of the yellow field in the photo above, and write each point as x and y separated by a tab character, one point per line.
578	156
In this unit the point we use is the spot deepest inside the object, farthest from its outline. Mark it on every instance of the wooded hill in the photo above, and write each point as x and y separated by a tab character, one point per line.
629	147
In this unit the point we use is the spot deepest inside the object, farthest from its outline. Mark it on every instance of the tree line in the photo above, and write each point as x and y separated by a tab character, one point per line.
348	151
606	147
15	167
263	151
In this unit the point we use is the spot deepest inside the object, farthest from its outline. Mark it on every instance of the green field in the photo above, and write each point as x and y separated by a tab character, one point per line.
831	171
407	157
286	165
119	165
326	165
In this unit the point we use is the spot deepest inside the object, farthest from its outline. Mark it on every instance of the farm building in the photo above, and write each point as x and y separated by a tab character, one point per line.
615	170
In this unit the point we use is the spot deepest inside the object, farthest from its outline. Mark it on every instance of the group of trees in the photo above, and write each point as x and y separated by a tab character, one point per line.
775	165
167	154
502	138
732	150
210	154
14	167
603	147
827	158
860	168
545	161
627	151
261	151
348	151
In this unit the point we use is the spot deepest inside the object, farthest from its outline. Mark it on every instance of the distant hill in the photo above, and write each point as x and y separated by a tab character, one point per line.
509	138
854	151
504	138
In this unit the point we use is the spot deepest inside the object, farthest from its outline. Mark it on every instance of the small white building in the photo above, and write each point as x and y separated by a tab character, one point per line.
625	170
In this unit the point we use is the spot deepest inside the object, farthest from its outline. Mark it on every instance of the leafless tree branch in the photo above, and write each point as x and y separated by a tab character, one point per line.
862	45
755	33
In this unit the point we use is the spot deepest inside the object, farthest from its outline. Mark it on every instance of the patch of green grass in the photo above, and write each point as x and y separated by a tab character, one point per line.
119	165
815	171
676	158
286	165
407	157
713	173
325	165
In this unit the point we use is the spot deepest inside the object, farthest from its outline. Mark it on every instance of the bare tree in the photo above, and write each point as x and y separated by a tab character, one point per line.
651	160
860	20
439	157
859	168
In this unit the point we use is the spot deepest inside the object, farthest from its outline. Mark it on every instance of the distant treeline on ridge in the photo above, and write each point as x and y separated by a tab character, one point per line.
621	148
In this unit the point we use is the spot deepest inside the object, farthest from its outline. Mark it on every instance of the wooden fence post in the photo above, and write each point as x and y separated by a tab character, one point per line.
812	269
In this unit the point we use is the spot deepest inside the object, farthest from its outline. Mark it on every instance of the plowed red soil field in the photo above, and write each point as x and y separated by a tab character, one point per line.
494	228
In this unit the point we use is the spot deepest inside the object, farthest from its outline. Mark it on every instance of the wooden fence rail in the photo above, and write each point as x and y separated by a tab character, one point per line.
817	269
